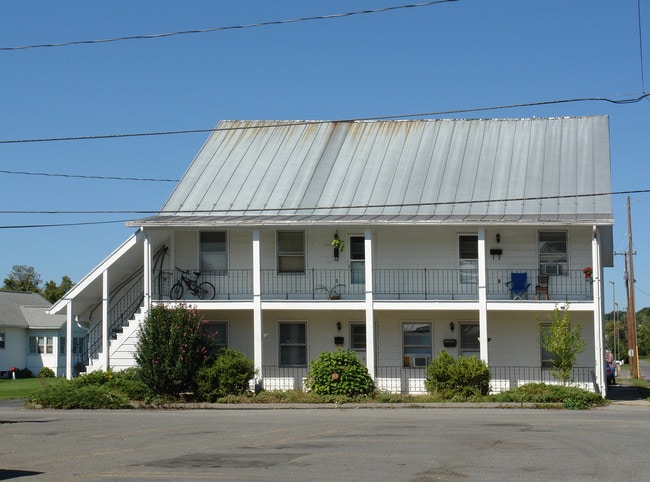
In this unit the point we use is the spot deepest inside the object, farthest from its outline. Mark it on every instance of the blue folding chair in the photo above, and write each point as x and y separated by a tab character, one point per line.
518	285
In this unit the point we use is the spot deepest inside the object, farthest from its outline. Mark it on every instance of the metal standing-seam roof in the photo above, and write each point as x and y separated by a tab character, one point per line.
530	171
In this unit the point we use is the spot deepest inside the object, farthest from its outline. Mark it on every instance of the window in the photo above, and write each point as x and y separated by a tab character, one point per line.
78	345
546	356
219	330
2	340
212	252
291	251
293	344
468	258
41	344
553	257
416	344
358	336
469	342
357	260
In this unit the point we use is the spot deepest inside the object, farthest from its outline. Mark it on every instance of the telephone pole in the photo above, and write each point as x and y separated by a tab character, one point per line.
631	312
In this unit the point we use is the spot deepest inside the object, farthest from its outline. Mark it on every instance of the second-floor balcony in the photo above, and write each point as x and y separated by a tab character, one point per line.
423	284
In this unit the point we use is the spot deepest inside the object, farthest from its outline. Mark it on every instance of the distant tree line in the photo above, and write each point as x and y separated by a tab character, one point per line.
616	333
25	278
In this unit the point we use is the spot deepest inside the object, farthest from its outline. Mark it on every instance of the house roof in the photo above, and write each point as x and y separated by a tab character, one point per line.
554	170
26	310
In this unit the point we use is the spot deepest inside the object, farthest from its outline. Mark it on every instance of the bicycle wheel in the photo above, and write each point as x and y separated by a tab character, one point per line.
206	291
177	291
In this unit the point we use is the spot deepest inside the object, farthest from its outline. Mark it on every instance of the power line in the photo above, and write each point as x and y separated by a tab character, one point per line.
220	29
29	226
638	4
327	208
631	100
80	176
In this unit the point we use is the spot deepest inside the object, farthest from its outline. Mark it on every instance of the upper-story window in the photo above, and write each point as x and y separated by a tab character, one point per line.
553	252
212	252
468	258
291	251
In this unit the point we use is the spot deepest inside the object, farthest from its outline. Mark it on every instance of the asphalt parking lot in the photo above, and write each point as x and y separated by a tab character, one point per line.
319	444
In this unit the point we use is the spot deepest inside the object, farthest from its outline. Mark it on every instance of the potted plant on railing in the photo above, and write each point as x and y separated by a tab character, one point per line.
332	293
338	245
588	271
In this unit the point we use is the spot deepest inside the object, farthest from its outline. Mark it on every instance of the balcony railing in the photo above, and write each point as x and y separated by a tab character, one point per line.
388	284
396	379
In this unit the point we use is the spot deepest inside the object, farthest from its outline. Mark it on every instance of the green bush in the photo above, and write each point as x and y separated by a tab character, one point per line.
72	395
172	348
457	379
24	373
570	397
339	373
46	372
229	374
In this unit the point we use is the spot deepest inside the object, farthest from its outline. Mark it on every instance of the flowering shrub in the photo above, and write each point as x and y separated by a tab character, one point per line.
588	271
339	373
172	347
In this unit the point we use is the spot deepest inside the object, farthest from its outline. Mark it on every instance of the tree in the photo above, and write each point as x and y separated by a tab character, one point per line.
172	347
564	341
53	292
23	278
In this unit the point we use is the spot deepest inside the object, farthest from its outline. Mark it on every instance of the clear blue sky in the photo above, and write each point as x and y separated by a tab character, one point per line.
457	55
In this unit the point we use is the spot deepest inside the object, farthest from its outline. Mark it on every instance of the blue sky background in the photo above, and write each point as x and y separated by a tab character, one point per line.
456	55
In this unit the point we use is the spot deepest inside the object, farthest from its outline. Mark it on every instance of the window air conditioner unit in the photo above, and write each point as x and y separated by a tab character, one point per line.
552	269
420	361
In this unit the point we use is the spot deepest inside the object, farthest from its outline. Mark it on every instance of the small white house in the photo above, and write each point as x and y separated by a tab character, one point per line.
32	339
440	222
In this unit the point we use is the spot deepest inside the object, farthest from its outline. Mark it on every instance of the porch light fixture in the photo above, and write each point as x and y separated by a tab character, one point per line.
452	326
498	238
338	325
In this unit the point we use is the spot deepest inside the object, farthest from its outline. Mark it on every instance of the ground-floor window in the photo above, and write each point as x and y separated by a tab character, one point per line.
469	342
546	356
358	336
78	345
2	340
219	331
416	344
41	344
293	344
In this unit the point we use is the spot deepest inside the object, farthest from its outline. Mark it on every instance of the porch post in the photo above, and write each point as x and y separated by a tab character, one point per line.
371	359
68	341
257	306
482	297
105	321
146	278
599	333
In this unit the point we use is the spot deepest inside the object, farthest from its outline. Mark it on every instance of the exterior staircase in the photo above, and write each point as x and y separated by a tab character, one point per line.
122	346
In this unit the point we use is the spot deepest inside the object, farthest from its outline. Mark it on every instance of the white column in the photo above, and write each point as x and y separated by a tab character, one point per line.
68	341
482	297
371	359
599	309
147	274
105	321
257	305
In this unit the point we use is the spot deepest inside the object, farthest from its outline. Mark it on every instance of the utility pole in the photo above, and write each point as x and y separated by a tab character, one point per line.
631	312
615	306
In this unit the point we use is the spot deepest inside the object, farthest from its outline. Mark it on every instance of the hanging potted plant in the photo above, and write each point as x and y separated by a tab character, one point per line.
588	271
338	245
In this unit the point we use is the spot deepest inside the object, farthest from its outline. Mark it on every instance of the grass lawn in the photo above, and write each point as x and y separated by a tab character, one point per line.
23	387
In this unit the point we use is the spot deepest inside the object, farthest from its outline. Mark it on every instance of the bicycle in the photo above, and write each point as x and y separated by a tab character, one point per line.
204	290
